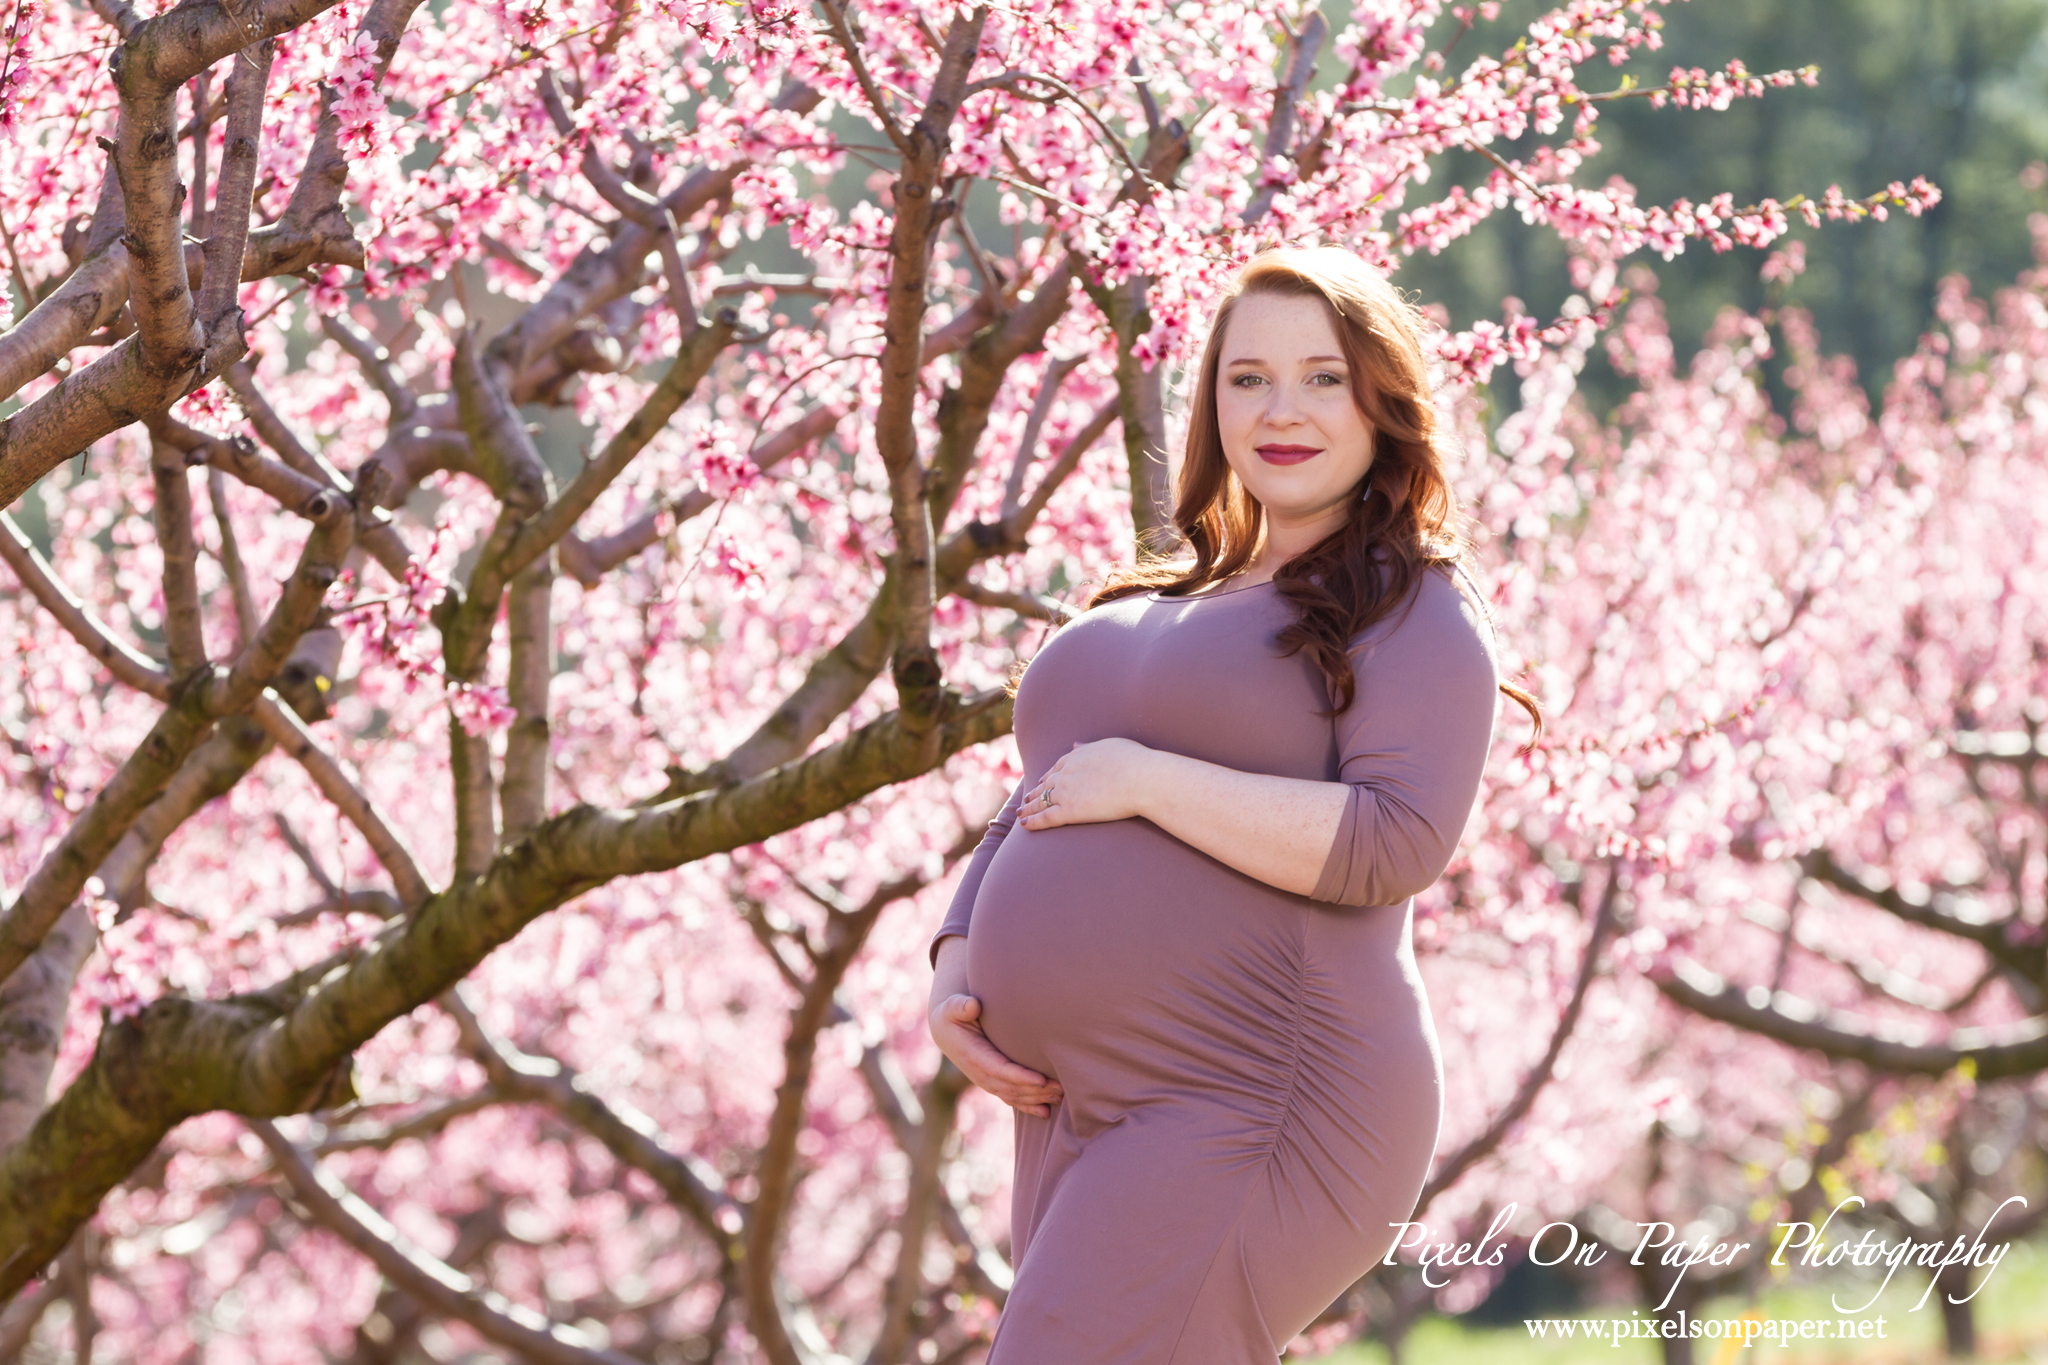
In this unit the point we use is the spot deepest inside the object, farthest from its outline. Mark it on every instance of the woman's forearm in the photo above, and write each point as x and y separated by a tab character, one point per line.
949	969
1277	829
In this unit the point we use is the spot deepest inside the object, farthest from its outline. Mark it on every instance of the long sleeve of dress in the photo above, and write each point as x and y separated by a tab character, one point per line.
962	909
1413	745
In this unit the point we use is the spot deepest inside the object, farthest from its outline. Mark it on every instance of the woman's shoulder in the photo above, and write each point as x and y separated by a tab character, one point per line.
1444	609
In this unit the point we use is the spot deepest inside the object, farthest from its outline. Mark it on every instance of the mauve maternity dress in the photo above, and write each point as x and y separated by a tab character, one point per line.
1252	1087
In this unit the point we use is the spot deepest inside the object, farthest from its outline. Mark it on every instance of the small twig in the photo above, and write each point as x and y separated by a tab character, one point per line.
1048	389
125	662
246	619
449	1291
1008	81
282	724
836	14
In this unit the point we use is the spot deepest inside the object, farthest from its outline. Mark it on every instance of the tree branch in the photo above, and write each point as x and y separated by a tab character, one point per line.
446	1290
314	224
268	1053
90	299
296	612
524	796
183	636
1301	69
376	364
684	373
248	79
1538	1076
927	1166
835	14
60	877
246	619
986	1270
292	736
919	214
35	574
380	538
2022	1050
1027	445
630	1136
497	434
1929	911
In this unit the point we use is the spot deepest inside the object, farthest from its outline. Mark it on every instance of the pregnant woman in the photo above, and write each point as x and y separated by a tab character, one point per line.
1182	951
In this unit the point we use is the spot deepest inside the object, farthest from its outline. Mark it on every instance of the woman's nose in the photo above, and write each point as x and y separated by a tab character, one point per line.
1284	408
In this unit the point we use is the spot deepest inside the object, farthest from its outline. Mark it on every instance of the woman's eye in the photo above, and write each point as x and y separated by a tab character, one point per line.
1325	374
1245	381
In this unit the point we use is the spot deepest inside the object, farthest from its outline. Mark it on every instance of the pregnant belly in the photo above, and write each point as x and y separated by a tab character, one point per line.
1115	953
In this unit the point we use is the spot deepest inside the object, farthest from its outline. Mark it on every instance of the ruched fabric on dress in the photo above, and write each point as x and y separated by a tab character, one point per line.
1252	1084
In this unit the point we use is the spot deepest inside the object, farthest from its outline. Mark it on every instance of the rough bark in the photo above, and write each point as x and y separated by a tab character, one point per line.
270	1053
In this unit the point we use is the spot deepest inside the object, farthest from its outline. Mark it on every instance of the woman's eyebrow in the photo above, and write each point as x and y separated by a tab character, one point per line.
1306	360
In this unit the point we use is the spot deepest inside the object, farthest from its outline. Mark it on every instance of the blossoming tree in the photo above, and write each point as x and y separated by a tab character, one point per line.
632	460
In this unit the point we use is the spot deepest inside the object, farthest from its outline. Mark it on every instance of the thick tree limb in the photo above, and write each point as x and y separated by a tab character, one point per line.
116	390
268	1053
919	215
2021	1050
183	638
497	434
443	1288
35	574
523	797
87	301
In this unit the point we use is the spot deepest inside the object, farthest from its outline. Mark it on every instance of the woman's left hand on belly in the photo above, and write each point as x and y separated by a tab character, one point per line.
1103	779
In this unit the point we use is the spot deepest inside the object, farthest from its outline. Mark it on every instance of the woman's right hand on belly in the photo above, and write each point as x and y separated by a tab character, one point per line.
955	1019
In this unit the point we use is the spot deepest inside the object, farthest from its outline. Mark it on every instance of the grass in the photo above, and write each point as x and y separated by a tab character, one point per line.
2012	1328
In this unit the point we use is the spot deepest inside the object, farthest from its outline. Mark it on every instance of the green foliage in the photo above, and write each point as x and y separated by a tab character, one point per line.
1956	90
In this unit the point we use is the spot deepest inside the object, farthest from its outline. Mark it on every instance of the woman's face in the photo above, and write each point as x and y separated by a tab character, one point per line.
1286	408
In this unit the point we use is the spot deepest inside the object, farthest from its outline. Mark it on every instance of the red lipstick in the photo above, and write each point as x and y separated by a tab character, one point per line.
1287	454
